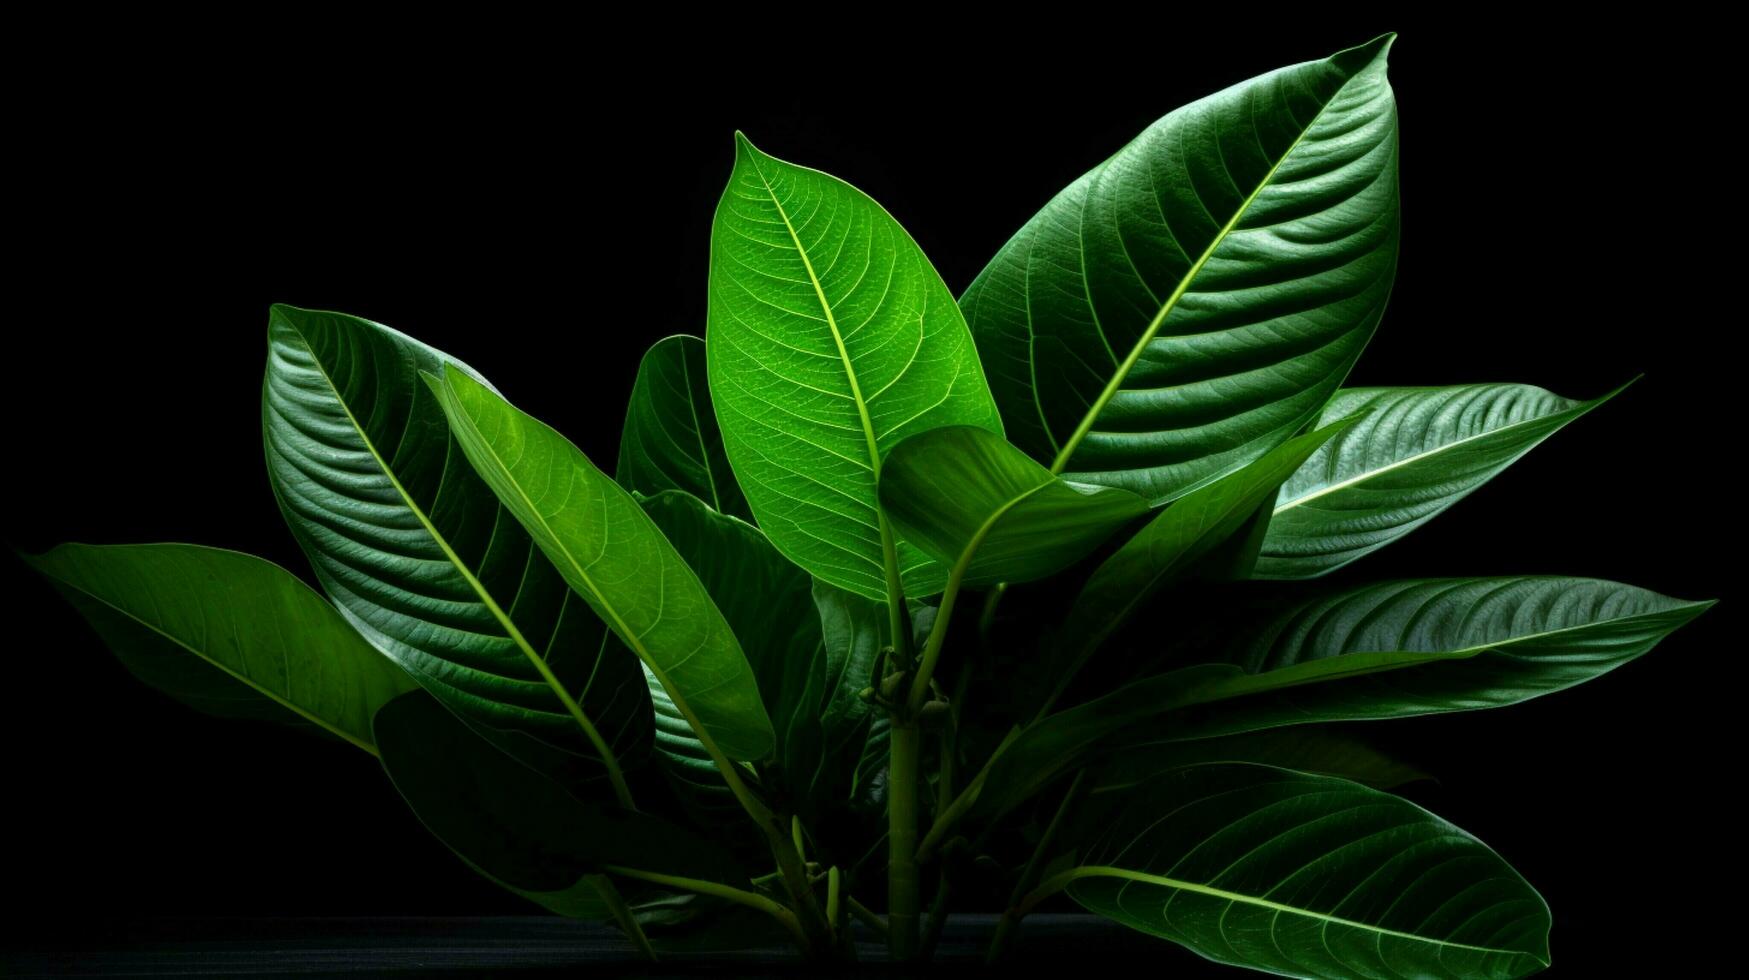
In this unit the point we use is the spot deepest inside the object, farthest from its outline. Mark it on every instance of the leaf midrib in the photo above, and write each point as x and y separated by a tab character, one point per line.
1129	362
1573	411
203	657
515	635
874	454
632	638
1162	881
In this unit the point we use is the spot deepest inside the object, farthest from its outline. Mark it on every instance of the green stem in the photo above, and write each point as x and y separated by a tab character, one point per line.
903	887
937	636
963	802
1010	921
623	915
740	897
937	915
867	915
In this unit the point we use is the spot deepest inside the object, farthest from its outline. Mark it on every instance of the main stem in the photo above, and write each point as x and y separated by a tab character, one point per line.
904	887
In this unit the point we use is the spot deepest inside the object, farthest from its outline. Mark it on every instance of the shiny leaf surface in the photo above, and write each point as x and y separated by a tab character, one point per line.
830	339
613	555
418	554
1192	302
1412	453
1309	876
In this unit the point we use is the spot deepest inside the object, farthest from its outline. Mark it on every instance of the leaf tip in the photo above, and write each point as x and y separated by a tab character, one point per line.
1377	50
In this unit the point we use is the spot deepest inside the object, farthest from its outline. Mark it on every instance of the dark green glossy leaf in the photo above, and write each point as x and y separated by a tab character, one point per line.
670	440
1381	651
228	633
1191	528
1315	749
613	555
1408	648
1413	453
419	555
964	495
830	339
1192	302
519	828
1309	876
768	603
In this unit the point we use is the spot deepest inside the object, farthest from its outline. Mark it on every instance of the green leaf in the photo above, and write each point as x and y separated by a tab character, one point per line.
1313	749
228	633
1194	300
1310	876
768	604
830	339
1189	529
964	495
419	555
612	554
519	828
1416	452
1412	647
670	440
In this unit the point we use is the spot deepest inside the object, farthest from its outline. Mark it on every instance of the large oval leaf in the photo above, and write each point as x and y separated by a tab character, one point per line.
613	555
228	633
1412	647
1309	876
966	496
1193	301
519	828
830	339
419	555
1413	453
670	440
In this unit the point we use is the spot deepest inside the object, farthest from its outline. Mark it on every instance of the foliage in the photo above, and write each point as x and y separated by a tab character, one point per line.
765	669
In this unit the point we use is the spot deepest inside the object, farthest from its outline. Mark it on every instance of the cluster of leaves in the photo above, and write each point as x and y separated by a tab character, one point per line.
738	678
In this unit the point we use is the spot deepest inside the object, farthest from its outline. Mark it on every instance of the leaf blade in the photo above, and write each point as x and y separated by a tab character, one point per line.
1416	452
817	369
1192	301
555	492
670	439
1311	876
279	647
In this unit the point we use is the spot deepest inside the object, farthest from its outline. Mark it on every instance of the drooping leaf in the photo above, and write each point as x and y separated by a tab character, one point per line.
830	339
613	555
519	828
1192	302
670	440
419	555
963	493
1310	876
1411	647
228	633
1319	750
1415	452
1192	527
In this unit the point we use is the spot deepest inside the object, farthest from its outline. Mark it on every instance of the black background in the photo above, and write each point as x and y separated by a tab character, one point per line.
545	218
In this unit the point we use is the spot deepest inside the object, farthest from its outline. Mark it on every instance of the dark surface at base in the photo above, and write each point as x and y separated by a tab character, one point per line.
535	946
